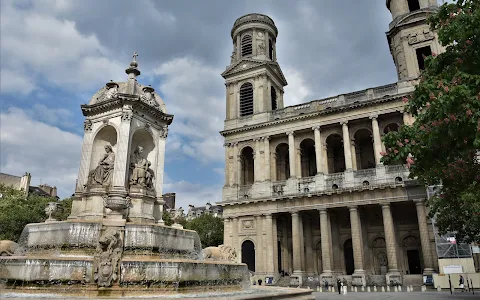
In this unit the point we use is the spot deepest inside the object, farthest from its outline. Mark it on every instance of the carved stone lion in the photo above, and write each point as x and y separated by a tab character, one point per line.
107	255
7	248
222	252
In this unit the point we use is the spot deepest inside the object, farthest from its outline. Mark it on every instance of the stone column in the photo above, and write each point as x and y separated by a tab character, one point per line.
267	158
377	141
309	248
259	259
227	163
274	167
235	242
292	154
424	238
390	238
257	162
254	42
296	242
325	236
239	47
269	244
236	164
275	245
354	155
356	240
325	158
318	149
227	232
121	157
298	162
346	146
302	243
86	157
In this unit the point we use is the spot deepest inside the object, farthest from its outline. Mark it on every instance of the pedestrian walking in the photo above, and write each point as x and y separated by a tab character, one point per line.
461	283
339	285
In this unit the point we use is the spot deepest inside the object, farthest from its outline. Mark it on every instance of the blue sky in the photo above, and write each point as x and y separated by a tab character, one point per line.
56	54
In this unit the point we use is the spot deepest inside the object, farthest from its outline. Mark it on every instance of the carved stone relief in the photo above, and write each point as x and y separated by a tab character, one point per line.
127	116
420	36
248	224
107	256
164	132
148	96
112	91
87	125
261	48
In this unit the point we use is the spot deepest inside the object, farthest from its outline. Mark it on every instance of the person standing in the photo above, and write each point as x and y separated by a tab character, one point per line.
461	283
339	286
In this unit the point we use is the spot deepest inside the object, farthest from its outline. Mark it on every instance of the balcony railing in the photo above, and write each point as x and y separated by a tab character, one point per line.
327	183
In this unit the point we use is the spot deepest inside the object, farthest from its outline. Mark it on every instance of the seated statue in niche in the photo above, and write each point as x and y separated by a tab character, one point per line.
142	175
103	173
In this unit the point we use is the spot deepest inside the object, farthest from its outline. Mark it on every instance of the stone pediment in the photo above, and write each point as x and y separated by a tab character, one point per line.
242	65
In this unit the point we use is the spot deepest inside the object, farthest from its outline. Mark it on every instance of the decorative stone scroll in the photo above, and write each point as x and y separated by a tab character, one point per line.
107	256
112	90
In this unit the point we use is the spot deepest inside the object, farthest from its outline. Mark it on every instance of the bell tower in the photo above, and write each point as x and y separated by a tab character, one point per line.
254	80
409	35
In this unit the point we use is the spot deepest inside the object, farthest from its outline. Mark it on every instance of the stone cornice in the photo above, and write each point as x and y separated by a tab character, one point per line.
126	99
315	114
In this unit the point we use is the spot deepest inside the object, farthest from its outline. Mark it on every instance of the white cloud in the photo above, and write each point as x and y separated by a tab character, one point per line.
50	154
296	91
52	116
192	93
38	46
196	194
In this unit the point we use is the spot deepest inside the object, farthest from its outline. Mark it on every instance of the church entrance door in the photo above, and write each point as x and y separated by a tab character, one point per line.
414	262
348	255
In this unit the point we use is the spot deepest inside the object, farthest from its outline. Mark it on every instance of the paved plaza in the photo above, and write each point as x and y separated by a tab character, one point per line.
399	296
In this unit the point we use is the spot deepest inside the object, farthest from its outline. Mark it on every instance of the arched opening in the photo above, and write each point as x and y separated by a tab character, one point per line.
307	158
270	49
246	45
247	162
282	162
246	99
248	254
380	255
364	149
142	139
348	256
103	157
412	246
273	98
390	127
335	156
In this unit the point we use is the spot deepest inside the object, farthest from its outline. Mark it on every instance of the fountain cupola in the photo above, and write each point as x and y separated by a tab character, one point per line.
254	79
409	36
122	163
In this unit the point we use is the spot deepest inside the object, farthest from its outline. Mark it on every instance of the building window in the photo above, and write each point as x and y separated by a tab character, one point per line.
422	53
270	49
247	45
246	99
413	5
273	98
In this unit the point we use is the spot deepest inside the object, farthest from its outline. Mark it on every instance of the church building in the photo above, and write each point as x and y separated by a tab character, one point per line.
305	190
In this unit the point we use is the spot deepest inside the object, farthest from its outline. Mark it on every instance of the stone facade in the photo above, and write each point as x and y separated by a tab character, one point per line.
195	212
305	191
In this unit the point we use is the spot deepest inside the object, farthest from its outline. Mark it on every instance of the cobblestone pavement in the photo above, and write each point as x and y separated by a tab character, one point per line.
399	296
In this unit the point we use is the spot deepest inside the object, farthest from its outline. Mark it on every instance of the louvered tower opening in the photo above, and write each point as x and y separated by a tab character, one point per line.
246	99
273	98
247	45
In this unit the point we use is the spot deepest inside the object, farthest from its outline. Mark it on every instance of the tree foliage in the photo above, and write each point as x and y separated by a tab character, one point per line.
441	147
18	210
209	228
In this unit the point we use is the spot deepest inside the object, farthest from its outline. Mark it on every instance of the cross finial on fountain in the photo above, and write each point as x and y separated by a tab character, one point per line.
135	54
132	69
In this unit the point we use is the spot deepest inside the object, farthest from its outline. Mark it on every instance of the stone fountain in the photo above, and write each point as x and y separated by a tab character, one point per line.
115	243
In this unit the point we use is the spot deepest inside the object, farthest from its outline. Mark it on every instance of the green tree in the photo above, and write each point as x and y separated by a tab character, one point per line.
209	228
441	147
64	209
167	218
17	210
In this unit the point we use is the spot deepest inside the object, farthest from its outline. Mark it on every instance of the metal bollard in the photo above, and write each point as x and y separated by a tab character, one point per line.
383	289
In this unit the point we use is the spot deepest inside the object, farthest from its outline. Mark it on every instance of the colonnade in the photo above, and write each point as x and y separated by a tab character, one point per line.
266	249
264	161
